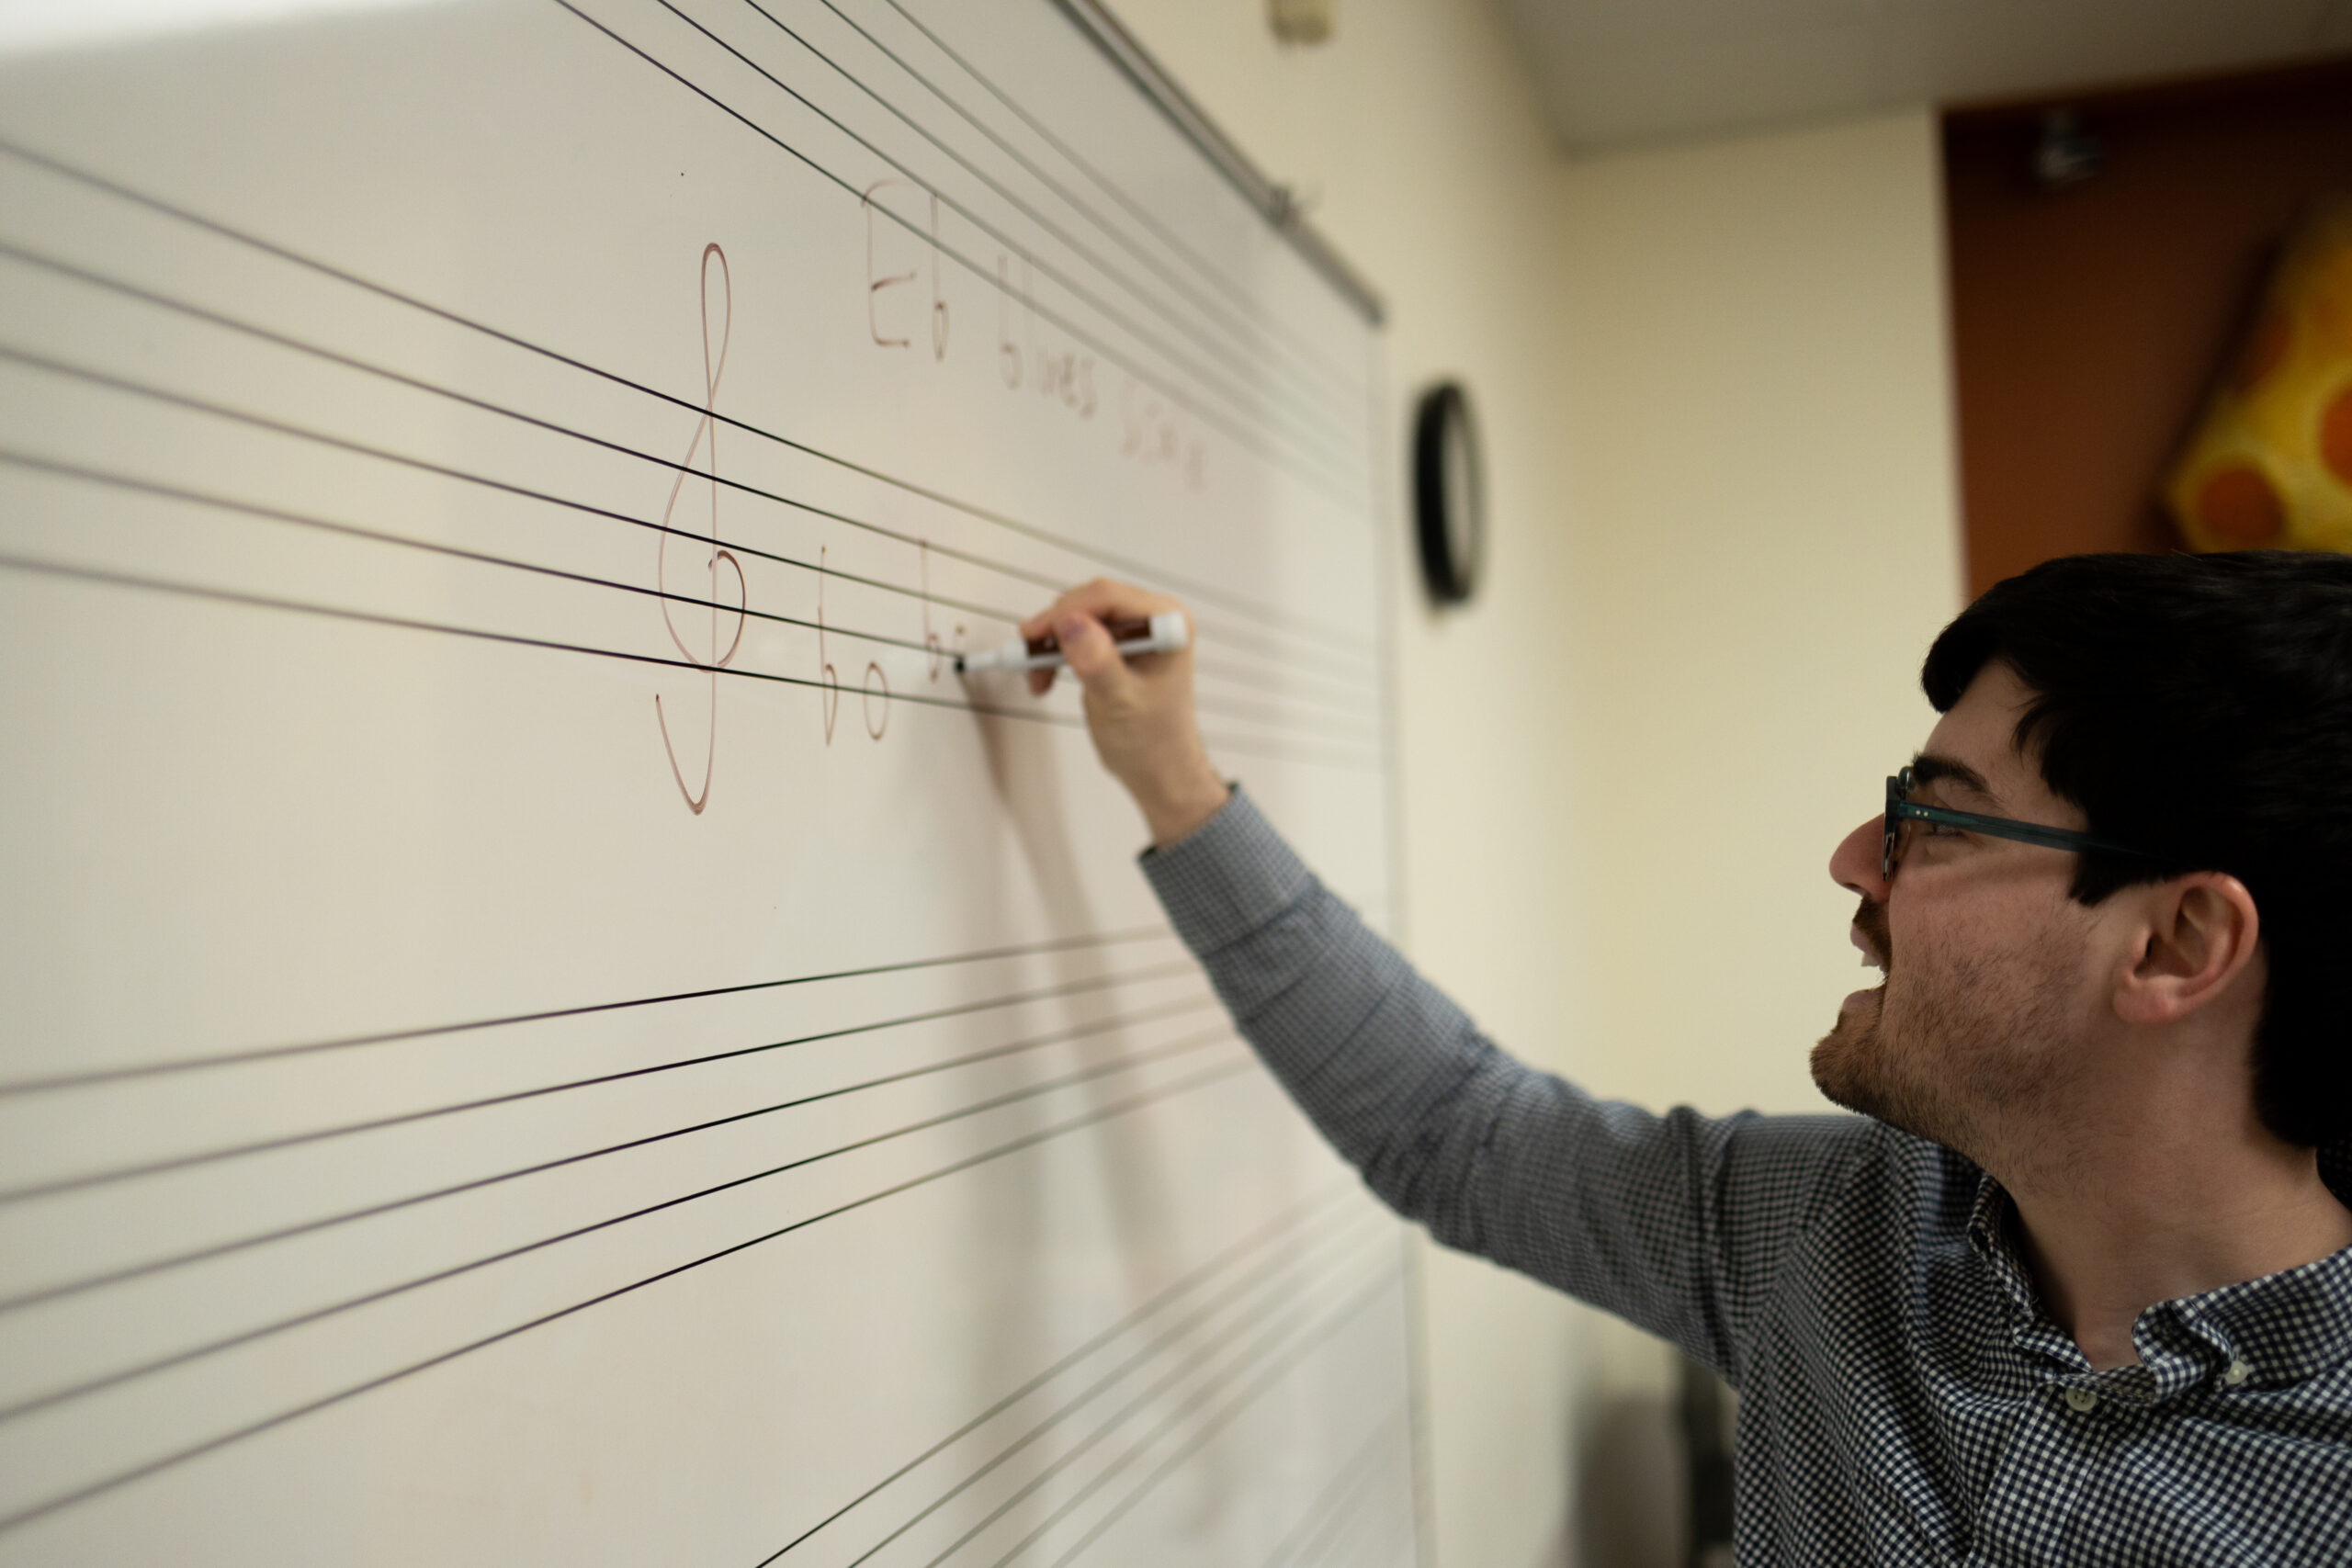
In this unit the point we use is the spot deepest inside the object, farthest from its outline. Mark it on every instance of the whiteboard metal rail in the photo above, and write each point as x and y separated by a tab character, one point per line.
1275	201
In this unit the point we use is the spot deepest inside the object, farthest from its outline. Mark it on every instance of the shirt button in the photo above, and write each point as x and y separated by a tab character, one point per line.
2237	1373
2081	1400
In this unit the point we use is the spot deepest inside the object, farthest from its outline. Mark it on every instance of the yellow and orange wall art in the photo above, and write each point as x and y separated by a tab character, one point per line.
2270	463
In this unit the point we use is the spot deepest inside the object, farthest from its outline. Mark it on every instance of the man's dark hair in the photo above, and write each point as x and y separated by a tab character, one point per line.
2200	708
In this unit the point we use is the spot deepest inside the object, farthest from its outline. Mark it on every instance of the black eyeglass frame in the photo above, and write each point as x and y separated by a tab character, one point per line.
1901	809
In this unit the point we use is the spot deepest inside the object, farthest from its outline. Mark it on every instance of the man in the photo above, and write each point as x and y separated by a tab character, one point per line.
2075	1288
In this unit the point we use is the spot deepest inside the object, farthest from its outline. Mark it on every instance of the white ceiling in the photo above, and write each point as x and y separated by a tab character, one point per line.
1620	73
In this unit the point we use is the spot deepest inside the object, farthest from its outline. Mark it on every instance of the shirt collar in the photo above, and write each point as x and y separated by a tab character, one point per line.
2281	1329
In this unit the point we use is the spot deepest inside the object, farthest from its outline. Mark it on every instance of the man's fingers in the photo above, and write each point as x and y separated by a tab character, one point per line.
1092	657
1101	599
1075	621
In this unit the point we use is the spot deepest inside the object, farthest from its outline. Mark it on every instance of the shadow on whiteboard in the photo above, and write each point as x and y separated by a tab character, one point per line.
1028	789
1135	1173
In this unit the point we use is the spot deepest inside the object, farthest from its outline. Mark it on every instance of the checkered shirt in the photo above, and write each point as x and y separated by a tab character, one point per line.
1905	1398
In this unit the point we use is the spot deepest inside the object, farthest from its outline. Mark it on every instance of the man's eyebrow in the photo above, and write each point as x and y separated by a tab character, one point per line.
1928	768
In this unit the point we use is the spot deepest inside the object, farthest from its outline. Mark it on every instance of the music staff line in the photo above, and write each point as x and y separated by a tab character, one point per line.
1216	705
1143	215
1282	1224
213	498
108	1175
1312	465
1306	1541
151	1267
52	1082
1315	435
1303	753
58	1501
1275	332
1259	612
1287	1263
91	278
1343	1539
1284	1362
1359	1536
1343	429
1281	1271
68	1392
1297	685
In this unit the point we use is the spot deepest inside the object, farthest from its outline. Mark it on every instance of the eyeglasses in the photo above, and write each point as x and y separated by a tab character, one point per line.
1901	811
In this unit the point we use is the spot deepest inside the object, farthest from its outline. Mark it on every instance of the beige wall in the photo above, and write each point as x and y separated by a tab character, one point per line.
1712	384
1763	522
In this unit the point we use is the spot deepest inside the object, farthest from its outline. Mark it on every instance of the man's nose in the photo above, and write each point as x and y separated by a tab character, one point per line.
1856	864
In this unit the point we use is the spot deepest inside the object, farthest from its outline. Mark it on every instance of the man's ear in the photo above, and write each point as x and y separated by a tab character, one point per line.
2200	933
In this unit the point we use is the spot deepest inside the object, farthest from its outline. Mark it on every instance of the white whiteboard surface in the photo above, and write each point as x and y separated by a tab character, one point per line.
540	1021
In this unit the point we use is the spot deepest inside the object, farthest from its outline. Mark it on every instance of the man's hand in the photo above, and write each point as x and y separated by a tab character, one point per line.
1140	713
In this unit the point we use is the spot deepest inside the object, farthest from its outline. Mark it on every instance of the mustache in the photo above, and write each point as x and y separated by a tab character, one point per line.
1870	920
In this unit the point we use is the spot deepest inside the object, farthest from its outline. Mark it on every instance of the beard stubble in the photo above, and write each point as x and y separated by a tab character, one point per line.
1952	1050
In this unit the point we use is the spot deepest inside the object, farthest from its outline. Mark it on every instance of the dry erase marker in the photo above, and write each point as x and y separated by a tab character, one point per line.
1164	633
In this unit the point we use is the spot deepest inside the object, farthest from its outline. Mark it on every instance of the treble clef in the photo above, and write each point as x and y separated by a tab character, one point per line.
714	365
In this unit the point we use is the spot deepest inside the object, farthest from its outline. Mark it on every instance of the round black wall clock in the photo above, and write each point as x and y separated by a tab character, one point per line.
1448	493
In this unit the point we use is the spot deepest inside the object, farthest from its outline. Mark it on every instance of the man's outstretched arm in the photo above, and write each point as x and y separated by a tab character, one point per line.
1677	1221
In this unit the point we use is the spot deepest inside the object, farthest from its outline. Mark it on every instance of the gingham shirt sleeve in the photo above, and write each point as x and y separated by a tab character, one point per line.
1677	1223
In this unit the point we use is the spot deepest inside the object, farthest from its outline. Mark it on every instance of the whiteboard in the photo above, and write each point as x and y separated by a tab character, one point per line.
540	1021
